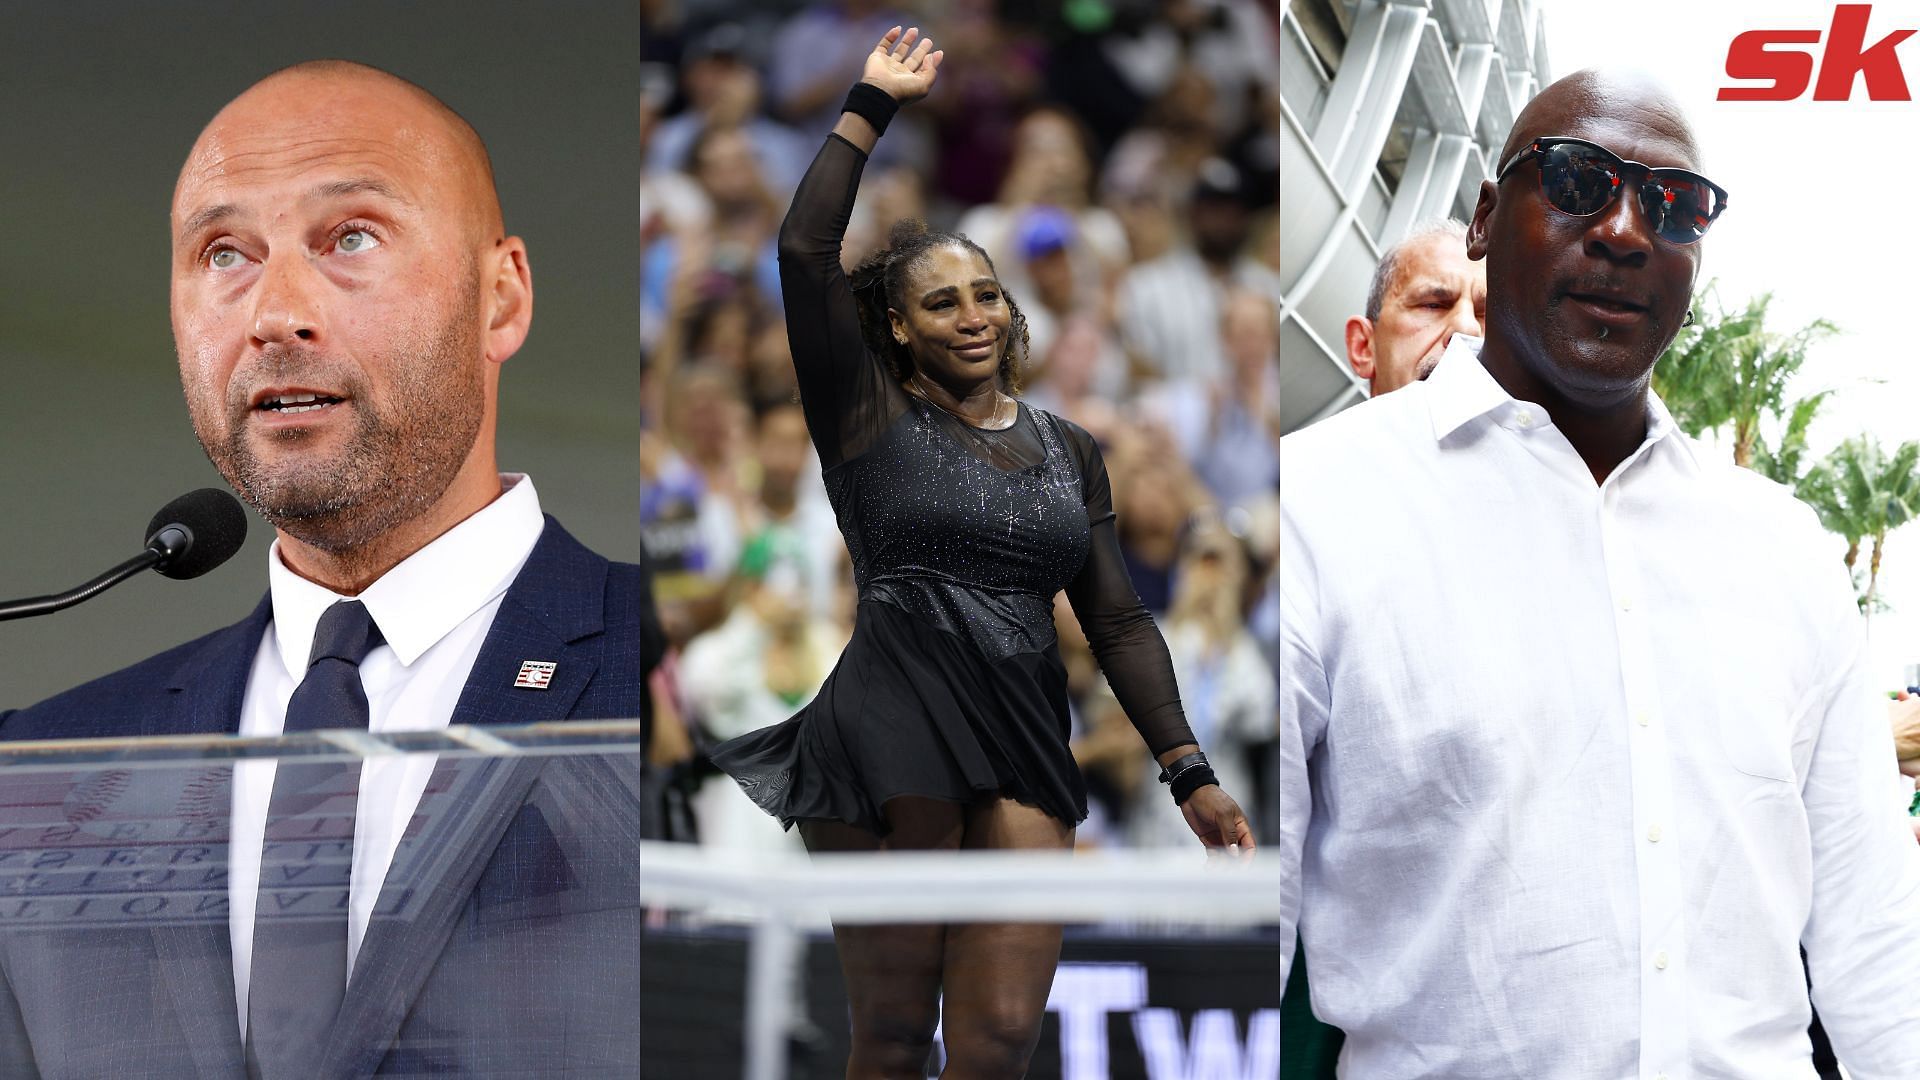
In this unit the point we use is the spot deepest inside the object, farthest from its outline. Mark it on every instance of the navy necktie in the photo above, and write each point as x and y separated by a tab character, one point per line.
299	972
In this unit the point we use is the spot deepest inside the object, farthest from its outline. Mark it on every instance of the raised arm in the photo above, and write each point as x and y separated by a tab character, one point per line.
1133	655
823	326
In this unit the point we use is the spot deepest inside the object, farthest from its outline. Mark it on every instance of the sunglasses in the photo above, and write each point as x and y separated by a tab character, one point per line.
1581	179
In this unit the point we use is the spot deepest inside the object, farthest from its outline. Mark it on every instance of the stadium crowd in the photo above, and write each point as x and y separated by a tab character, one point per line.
1119	160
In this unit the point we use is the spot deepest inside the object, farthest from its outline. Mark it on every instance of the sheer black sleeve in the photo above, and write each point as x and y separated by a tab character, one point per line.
843	388
1124	638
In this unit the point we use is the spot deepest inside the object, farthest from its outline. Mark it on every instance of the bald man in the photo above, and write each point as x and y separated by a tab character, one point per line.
1561	797
344	293
1424	291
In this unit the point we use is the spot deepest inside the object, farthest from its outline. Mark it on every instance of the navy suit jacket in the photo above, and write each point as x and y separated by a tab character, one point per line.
518	957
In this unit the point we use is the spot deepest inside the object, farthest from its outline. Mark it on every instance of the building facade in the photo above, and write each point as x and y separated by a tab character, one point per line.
1392	112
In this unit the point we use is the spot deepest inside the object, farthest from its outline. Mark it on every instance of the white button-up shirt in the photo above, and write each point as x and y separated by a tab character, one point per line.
434	609
1569	772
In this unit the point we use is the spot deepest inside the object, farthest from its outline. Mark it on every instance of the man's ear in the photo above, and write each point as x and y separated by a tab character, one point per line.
1482	210
509	298
1360	346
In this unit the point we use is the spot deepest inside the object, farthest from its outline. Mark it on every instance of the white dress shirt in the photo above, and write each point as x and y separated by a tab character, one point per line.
434	609
1569	771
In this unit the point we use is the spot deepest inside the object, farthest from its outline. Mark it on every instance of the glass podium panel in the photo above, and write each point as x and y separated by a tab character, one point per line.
484	884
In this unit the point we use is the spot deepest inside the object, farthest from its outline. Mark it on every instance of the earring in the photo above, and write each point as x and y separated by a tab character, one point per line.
1688	321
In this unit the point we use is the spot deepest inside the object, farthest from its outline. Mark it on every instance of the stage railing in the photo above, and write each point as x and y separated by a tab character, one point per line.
1141	908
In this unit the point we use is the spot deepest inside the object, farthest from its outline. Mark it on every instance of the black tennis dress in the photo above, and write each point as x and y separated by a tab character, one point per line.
952	685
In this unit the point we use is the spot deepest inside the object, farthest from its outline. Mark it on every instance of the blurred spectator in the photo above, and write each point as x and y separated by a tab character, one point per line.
674	216
1051	171
1169	308
770	378
793	519
1233	41
653	649
808	73
887	195
995	72
694	498
1227	687
746	215
1154	493
1263	240
1257	149
1058	294
1162	159
1105	744
1147	217
1065	378
722	90
1229	427
756	669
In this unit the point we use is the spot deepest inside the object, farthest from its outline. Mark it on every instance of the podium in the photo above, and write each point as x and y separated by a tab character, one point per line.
502	939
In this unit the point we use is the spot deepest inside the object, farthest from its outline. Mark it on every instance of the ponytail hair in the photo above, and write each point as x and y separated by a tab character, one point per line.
879	283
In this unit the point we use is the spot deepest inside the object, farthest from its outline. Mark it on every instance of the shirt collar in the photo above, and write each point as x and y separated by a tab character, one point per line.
1461	389
435	589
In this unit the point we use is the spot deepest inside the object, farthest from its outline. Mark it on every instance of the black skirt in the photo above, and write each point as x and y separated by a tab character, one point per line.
911	709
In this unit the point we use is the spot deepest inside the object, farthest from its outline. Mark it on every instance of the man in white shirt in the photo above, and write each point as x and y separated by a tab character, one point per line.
1568	782
344	292
1169	307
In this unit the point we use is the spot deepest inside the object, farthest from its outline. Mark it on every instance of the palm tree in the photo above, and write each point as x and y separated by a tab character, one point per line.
1785	464
1862	493
1728	368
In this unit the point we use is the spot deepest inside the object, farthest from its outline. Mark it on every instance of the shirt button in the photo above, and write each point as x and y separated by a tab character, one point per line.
1523	418
1653	834
1642	717
1660	960
1626	603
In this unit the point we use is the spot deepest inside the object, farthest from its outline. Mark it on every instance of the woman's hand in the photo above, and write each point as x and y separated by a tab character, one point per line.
905	71
1216	819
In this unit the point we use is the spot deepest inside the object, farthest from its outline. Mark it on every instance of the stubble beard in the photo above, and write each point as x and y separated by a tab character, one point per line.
400	458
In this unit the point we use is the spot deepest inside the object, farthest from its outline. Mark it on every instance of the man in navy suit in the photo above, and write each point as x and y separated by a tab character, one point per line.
344	293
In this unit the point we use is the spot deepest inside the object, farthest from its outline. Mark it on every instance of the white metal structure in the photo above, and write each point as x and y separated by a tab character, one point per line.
1391	114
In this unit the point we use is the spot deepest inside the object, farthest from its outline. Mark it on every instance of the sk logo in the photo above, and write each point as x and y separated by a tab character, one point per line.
534	675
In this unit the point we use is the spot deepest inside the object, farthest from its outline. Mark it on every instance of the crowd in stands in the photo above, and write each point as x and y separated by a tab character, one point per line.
1118	160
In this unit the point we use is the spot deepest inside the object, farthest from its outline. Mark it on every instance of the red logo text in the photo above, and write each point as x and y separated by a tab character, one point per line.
1758	55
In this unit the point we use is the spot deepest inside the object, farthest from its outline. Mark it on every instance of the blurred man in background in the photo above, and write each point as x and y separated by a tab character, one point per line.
1424	290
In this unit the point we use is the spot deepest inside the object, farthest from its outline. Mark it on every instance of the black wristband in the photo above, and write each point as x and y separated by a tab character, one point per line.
872	104
1192	759
1191	781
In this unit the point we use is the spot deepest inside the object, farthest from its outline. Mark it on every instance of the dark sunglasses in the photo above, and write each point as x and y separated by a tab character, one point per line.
1582	179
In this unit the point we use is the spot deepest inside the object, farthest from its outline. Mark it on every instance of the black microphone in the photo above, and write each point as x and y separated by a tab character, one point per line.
188	537
196	532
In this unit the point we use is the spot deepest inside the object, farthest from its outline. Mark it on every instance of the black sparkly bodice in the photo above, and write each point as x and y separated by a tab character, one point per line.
973	548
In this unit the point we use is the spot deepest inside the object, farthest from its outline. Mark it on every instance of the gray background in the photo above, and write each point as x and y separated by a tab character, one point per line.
99	103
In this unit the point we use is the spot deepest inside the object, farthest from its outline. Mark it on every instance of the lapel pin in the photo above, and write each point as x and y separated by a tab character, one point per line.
534	675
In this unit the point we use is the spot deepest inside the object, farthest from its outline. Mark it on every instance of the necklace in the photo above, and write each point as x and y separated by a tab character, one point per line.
993	423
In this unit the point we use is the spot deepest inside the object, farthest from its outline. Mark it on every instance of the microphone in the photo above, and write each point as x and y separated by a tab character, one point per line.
196	532
188	537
